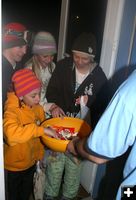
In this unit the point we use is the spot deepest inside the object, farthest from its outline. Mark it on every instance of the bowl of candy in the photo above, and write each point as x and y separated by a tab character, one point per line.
66	128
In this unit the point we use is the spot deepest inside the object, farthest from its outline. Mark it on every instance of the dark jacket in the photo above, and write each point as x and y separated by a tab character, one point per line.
7	72
61	89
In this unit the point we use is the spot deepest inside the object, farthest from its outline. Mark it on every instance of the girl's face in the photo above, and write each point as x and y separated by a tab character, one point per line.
45	60
33	98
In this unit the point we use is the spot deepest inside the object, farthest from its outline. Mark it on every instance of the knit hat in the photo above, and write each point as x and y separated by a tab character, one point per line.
86	43
25	81
14	34
44	44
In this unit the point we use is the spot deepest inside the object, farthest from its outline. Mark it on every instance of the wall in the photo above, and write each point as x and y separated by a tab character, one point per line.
118	50
125	35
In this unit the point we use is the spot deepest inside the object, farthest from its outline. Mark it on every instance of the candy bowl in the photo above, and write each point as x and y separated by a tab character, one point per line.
67	126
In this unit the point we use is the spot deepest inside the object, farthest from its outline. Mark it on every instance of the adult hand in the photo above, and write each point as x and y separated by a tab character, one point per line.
71	146
57	112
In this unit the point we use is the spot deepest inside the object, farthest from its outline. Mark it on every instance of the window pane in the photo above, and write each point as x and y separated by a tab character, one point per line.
86	16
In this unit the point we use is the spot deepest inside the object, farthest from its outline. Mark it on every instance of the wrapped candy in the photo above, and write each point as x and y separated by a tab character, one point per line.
65	133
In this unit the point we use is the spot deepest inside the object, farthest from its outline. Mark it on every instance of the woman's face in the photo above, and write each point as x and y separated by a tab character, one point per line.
33	98
81	60
45	60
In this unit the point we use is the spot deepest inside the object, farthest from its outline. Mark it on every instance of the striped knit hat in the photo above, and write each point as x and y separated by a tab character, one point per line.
14	35
44	44
25	81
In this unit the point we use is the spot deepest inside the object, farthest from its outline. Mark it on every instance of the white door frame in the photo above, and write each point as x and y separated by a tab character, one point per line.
111	36
63	29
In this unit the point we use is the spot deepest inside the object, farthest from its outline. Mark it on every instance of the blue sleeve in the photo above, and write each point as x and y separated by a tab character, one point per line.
115	131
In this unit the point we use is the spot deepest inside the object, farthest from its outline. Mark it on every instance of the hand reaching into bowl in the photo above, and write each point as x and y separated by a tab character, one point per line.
56	111
50	132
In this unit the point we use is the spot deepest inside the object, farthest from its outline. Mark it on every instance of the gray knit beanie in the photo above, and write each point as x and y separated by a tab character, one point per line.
44	44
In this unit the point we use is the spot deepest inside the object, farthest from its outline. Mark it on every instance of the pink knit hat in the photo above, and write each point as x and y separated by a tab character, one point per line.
14	34
25	81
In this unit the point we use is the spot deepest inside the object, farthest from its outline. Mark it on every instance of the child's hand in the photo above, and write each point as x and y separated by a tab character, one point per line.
50	132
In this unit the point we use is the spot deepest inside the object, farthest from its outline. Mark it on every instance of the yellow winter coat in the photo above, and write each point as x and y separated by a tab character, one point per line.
22	133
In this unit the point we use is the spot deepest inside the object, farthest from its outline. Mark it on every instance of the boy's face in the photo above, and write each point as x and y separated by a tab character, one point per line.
81	60
17	53
33	98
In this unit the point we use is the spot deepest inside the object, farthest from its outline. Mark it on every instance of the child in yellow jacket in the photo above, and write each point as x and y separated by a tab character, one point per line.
22	148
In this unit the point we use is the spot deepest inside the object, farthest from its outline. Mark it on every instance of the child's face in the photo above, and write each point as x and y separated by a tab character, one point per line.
17	53
81	60
45	60
33	98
